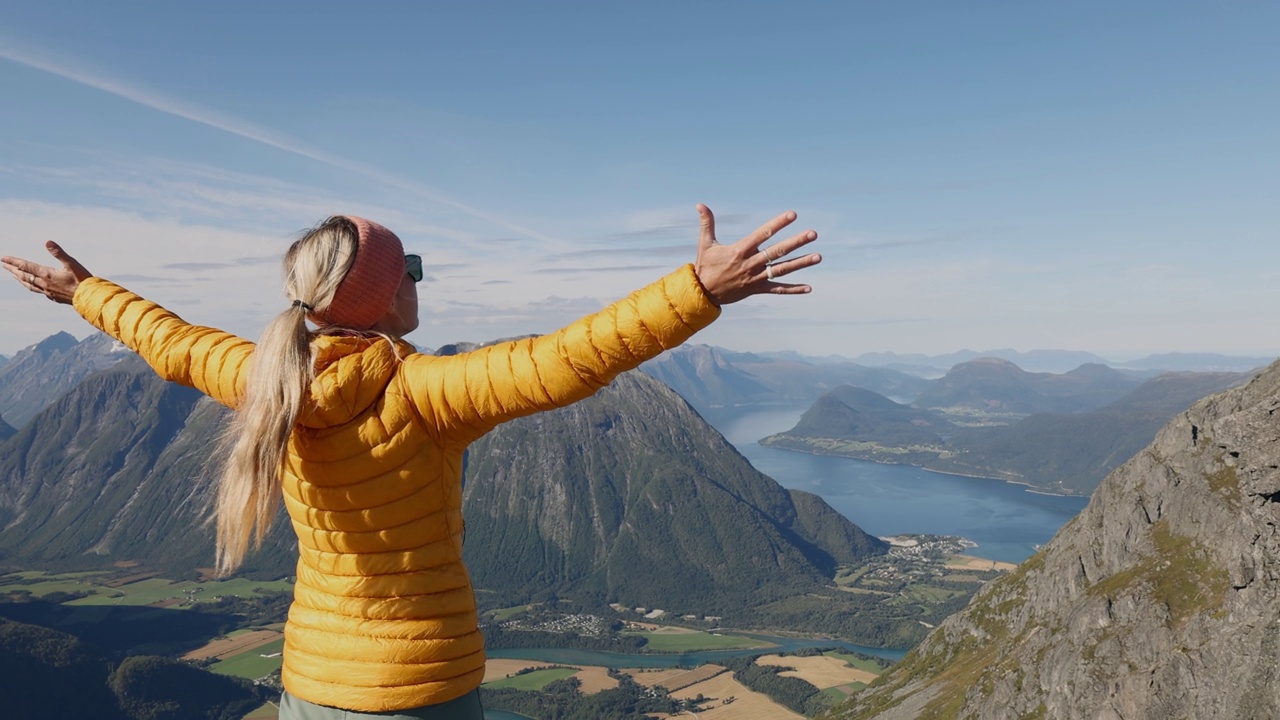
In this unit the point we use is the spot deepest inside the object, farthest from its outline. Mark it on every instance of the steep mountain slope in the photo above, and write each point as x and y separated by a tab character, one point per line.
1160	600
631	497
40	374
89	476
626	495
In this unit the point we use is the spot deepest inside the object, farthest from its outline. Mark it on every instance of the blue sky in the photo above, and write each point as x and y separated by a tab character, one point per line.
1087	175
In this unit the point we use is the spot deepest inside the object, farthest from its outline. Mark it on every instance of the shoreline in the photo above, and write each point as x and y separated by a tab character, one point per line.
1028	486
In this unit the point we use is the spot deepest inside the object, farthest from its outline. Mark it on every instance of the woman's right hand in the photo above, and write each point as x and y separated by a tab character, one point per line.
57	284
730	273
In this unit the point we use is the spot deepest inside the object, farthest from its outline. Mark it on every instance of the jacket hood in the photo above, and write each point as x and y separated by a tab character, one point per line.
352	374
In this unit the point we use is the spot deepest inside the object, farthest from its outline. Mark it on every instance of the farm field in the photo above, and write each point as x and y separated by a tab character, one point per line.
677	678
672	639
969	562
820	671
745	705
252	664
535	680
107	588
233	644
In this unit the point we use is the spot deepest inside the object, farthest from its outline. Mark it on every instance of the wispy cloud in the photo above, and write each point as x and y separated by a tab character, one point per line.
616	268
78	72
682	249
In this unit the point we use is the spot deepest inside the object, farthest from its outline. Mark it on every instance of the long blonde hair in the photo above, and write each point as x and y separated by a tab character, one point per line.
280	376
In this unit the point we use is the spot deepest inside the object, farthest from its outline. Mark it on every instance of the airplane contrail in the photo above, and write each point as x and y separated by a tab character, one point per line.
205	116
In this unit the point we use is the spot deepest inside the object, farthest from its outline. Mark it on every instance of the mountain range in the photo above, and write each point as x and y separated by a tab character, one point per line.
708	377
628	496
1062	433
1058	361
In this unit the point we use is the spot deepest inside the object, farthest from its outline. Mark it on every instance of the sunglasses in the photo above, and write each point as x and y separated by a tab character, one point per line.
413	266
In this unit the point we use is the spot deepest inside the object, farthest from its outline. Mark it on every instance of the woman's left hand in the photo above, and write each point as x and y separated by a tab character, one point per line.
730	273
57	284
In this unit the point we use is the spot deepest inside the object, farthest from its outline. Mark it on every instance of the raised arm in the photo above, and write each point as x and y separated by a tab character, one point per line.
466	396
211	361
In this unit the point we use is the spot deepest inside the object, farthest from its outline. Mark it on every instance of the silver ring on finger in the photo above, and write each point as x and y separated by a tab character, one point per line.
768	271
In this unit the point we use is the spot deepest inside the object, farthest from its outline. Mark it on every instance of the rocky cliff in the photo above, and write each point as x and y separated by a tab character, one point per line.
1160	600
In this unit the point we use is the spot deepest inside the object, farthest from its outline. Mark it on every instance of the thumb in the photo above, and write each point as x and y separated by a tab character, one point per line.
707	237
67	261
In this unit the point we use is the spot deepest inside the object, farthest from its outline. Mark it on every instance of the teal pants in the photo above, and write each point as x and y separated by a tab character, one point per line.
466	707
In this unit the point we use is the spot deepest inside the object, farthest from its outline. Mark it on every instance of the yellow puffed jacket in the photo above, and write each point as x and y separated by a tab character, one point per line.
383	615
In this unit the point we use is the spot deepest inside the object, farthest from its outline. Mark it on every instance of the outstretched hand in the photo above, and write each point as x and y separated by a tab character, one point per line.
730	273
57	284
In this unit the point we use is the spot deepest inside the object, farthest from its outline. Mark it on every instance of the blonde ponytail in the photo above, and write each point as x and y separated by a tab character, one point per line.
279	380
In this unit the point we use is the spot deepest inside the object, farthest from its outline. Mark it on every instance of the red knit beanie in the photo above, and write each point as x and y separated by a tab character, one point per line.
365	295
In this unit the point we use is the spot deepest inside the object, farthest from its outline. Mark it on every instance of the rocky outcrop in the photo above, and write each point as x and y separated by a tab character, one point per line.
1160	600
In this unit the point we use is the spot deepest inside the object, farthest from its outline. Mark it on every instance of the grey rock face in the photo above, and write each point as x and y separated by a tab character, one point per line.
1161	600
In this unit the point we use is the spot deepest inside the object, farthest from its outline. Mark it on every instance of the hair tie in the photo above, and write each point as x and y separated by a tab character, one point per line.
304	306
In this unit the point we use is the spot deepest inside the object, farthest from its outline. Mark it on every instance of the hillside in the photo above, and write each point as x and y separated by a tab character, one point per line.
657	509
1160	600
1073	453
862	415
55	676
991	385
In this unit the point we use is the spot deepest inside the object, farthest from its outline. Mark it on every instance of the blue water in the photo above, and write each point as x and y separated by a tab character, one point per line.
1006	520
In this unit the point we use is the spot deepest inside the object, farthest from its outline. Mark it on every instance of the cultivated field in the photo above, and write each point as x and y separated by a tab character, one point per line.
134	589
234	644
677	678
676	639
253	664
968	562
820	671
746	704
594	679
497	669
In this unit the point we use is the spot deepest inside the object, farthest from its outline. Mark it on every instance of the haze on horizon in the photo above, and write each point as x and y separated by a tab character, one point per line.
1084	176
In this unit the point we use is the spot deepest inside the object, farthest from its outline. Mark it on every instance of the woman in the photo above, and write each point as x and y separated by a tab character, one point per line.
364	438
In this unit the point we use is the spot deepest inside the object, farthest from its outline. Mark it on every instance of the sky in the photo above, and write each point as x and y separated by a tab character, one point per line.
1094	176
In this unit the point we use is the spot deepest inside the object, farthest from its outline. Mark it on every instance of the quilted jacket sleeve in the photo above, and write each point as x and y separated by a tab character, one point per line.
209	360
465	396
